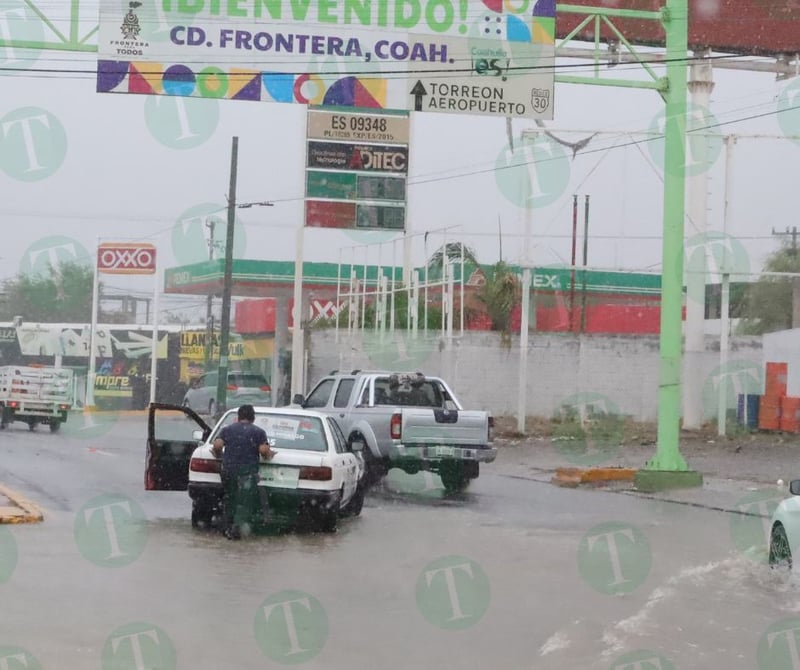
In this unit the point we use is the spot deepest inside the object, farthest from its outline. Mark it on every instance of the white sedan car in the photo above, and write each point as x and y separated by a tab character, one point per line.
784	533
314	471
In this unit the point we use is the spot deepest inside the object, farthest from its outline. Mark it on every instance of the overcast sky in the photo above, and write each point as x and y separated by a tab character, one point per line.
117	166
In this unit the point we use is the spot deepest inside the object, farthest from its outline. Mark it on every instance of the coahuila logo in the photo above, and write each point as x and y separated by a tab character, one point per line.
179	122
291	627
779	646
8	554
750	529
614	558
735	378
19	23
708	256
49	252
137	646
703	140
789	110
643	659
16	658
453	592
33	144
535	173
111	531
192	232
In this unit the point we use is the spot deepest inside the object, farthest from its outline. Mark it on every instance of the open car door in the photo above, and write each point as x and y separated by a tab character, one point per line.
171	440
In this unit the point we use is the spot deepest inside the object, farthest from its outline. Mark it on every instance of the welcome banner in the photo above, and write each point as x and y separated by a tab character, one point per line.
493	57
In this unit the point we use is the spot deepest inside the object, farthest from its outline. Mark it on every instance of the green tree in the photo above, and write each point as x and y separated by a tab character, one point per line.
768	302
64	294
500	294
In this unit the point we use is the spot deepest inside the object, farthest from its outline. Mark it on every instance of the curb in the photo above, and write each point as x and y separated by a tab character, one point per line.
573	477
117	412
23	511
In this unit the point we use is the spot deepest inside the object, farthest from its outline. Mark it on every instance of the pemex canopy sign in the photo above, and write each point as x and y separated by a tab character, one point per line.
492	57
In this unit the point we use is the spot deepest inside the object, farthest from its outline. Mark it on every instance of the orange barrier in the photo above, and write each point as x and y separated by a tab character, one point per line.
775	384
790	414
769	413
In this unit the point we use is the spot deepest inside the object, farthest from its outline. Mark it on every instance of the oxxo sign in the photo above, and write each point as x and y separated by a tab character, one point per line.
126	258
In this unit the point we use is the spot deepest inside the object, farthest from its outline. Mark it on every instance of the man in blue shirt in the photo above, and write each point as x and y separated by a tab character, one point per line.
244	444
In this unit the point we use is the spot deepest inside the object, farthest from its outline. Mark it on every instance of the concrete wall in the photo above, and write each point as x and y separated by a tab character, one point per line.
619	373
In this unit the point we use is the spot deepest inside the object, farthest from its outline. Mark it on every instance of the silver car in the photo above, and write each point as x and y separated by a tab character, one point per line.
243	388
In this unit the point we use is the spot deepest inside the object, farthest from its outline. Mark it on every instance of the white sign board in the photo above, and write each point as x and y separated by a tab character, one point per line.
492	58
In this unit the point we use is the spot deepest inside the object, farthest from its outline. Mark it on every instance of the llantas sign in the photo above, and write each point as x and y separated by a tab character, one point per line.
126	258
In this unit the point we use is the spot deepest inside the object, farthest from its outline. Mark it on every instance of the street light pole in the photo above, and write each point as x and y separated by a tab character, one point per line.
222	379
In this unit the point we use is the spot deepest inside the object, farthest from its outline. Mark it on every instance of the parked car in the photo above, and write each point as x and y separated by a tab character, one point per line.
243	388
785	528
314	471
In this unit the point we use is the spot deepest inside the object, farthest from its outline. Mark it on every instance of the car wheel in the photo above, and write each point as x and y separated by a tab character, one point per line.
212	408
327	520
780	552
356	503
31	425
202	516
55	426
453	477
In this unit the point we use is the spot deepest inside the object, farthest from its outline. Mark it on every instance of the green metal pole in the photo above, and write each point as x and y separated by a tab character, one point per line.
668	455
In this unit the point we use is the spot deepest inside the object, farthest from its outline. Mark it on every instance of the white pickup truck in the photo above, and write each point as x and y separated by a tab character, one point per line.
407	421
35	395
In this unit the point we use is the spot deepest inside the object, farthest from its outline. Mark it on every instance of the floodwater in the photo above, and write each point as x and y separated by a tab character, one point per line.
512	574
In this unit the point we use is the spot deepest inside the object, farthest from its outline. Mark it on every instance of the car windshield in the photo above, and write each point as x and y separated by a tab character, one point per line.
285	431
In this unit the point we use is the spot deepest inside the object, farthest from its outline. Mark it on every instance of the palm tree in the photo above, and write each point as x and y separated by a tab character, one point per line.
453	251
500	294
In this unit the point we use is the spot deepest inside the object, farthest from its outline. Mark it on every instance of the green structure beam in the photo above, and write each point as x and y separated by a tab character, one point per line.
59	40
668	455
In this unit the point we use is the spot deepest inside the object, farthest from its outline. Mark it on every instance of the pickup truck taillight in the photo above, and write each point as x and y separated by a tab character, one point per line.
396	426
232	387
210	465
491	428
265	388
318	473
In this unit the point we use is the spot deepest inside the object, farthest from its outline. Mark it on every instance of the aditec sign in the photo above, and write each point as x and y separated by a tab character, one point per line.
126	258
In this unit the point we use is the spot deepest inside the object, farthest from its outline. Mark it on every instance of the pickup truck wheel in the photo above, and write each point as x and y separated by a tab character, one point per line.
55	426
453	477
356	503
372	468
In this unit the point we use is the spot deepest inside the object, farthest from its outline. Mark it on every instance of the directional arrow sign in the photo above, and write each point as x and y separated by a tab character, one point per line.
418	92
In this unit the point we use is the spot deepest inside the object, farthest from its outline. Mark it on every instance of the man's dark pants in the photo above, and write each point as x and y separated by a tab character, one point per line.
245	502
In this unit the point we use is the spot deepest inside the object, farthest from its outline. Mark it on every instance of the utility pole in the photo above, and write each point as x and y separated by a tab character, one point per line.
222	379
795	280
210	224
793	233
585	259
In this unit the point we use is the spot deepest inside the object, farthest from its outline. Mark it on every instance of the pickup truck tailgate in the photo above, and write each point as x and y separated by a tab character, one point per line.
444	427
